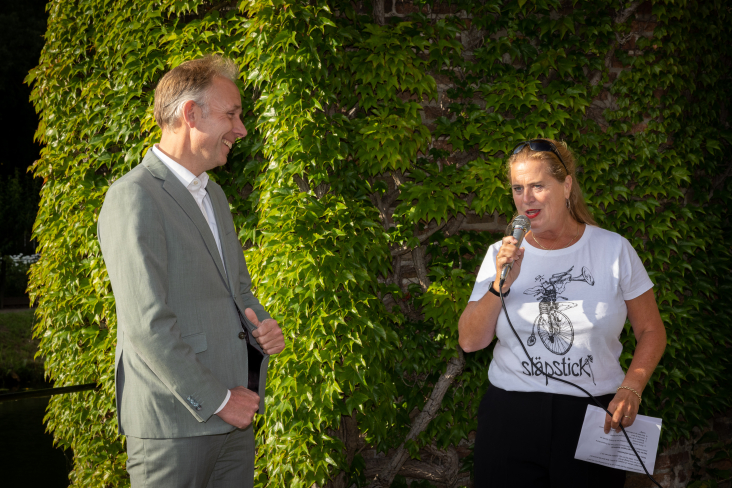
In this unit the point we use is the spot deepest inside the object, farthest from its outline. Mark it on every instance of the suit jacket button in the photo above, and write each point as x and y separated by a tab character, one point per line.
242	335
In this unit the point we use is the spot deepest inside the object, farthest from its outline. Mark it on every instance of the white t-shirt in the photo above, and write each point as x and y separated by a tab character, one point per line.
568	308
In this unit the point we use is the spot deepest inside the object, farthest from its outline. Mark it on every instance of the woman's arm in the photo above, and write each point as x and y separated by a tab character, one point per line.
477	324
650	335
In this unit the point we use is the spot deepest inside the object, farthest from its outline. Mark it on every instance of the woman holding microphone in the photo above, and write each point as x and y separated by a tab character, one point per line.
571	287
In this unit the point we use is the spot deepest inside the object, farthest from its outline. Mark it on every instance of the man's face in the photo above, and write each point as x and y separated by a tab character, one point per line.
214	135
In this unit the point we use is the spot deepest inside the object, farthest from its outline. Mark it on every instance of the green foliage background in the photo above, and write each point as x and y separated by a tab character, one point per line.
18	206
333	107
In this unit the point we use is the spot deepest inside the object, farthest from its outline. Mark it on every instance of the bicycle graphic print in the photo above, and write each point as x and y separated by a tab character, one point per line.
554	327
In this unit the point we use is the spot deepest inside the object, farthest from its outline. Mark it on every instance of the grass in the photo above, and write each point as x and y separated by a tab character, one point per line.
17	348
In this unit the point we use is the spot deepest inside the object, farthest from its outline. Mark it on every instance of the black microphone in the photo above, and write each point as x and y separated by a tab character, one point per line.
521	226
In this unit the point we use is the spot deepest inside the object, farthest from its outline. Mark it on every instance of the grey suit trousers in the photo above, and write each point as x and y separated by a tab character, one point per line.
211	461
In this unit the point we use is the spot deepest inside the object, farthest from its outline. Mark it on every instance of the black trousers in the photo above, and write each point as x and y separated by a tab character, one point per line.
528	439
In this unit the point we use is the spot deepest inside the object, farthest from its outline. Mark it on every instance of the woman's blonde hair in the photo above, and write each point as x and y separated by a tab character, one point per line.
577	207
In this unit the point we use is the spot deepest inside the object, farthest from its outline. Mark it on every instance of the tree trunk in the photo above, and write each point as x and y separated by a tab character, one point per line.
379	12
420	423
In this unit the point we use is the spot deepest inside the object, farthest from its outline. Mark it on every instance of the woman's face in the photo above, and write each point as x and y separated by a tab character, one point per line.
539	196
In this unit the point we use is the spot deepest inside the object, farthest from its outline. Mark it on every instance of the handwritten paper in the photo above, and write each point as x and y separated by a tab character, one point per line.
612	449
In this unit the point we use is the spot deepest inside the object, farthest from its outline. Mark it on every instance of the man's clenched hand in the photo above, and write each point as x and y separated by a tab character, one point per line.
239	410
268	333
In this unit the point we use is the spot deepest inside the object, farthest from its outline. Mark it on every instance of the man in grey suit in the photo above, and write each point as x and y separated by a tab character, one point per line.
192	341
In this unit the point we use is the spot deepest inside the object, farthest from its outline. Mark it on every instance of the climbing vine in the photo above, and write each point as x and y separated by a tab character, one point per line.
377	141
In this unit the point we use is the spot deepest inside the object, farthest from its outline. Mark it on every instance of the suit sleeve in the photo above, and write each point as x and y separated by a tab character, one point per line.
134	246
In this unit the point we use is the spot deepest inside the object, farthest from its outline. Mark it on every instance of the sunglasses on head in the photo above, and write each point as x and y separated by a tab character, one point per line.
540	145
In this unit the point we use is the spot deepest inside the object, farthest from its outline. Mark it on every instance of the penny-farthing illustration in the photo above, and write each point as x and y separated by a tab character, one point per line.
554	328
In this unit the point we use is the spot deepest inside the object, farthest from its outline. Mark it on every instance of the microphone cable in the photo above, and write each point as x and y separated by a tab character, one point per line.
505	311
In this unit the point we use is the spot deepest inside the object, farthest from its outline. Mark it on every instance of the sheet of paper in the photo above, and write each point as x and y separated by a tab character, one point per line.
612	449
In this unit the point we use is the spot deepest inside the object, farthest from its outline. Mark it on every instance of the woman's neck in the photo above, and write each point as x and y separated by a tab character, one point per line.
558	238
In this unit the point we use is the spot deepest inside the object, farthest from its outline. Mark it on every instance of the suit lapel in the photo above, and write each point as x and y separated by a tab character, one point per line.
228	248
183	197
231	251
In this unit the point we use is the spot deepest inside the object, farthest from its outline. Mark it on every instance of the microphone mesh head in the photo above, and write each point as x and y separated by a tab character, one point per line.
518	221
523	221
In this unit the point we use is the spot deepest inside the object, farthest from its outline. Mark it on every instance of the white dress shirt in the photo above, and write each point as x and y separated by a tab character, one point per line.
197	186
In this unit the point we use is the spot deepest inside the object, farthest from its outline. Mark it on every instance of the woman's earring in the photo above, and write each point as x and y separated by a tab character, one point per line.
566	202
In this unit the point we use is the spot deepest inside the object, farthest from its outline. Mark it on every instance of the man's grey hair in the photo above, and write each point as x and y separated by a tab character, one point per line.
190	81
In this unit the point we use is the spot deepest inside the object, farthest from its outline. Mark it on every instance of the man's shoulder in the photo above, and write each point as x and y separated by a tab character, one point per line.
137	175
139	187
141	176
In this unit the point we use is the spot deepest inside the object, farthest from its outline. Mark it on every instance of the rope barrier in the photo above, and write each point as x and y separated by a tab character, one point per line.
5	397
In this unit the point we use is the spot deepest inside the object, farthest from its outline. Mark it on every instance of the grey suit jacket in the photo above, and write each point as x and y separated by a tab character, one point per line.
178	327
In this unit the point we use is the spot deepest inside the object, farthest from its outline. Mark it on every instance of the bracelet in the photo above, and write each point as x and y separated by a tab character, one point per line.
492	290
631	389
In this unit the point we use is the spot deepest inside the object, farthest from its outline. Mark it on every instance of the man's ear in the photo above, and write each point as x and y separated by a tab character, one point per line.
191	113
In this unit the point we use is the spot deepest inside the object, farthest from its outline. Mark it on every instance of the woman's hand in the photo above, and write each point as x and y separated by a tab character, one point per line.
507	254
650	342
477	324
624	408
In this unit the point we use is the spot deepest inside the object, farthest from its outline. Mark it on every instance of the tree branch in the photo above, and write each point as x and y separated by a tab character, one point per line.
379	17
451	227
420	267
621	18
445	471
396	277
401	455
302	183
304	186
348	434
381	206
398	178
321	190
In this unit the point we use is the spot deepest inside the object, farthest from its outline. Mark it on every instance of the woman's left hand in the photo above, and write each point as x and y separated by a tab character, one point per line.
624	408
651	341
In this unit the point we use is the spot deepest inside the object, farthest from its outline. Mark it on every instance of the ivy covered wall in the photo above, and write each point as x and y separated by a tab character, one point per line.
368	191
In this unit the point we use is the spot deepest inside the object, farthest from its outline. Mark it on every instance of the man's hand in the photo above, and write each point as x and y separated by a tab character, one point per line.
268	333
239	410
